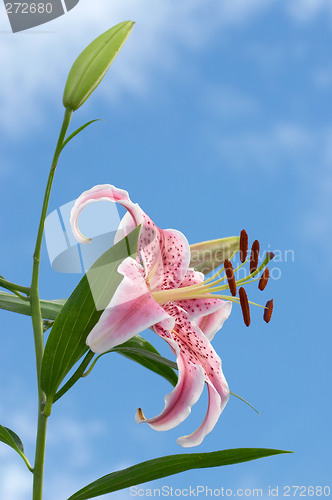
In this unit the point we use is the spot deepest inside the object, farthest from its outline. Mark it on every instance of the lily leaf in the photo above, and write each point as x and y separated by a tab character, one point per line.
77	131
66	342
136	349
209	255
75	377
92	64
168	466
9	437
50	308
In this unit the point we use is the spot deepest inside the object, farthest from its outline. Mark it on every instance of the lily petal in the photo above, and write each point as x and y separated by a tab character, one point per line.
215	407
179	402
211	323
200	307
194	349
100	193
192	277
165	253
131	310
166	269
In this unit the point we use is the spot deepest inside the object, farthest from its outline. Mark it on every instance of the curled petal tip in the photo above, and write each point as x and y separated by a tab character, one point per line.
139	417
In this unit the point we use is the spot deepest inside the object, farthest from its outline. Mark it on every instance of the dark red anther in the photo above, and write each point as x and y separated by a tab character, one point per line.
264	279
243	245
230	276
268	311
254	256
244	306
271	255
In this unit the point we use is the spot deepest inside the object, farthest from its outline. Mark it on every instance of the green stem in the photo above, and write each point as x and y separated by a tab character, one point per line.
13	286
37	321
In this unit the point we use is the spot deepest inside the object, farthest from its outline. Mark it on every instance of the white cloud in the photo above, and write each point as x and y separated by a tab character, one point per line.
264	149
35	64
306	10
76	437
15	481
303	153
226	102
322	77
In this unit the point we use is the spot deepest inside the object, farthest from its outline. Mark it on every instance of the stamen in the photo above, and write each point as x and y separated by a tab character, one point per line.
264	279
230	276
243	245
268	311
254	256
244	306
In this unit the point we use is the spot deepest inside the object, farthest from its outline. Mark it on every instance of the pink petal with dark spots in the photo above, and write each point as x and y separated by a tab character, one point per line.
200	307
192	277
179	402
167	265
195	350
211	323
131	310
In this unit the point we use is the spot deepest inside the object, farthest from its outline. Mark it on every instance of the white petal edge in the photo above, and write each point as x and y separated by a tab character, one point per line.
211	323
215	407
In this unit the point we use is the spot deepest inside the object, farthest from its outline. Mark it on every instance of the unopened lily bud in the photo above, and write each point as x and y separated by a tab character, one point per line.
92	64
209	255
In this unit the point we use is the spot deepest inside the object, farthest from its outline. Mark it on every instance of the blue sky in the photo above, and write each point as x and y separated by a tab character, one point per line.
218	118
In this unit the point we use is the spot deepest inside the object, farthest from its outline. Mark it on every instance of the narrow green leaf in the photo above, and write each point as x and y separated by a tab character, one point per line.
50	308
75	377
9	437
128	351
209	255
168	466
66	342
92	64
69	138
146	355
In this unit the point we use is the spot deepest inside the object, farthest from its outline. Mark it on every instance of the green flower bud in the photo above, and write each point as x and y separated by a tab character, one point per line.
92	64
209	255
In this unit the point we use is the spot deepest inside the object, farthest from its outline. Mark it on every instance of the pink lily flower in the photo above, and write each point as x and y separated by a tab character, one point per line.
161	292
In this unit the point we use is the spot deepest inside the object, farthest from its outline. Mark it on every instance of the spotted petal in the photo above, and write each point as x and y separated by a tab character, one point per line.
192	277
200	307
131	310
193	351
185	394
210	324
167	267
165	253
